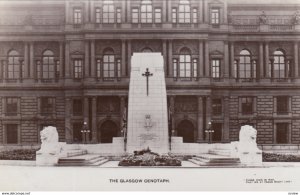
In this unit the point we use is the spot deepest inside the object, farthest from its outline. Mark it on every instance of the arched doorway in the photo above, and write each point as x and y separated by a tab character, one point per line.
185	129
107	131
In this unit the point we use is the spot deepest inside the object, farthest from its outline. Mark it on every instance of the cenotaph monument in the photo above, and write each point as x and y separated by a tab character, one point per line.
147	104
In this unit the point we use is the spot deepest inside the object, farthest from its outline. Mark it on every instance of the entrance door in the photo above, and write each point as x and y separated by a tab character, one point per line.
185	129
107	131
217	135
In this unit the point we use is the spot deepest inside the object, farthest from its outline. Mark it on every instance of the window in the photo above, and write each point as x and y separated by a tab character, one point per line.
195	65
174	15
98	68
11	106
48	66
215	16
184	12
108	12
146	11
119	15
77	16
98	15
279	65
47	105
12	134
175	62
135	15
185	63
217	107
109	64
78	69
195	15
216	68
282	104
282	133
13	65
247	105
157	15
245	68
77	107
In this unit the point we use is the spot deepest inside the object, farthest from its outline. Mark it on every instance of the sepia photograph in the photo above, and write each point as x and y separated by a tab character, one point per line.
149	95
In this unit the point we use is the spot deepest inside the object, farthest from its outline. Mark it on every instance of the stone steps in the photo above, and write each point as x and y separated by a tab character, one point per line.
82	160
212	159
219	151
76	152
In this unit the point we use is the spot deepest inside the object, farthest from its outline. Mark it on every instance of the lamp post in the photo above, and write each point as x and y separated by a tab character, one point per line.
209	131
85	133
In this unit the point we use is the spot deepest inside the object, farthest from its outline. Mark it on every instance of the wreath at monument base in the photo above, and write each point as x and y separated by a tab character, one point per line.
147	158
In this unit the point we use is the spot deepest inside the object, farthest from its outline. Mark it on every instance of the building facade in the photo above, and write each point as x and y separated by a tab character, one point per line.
66	62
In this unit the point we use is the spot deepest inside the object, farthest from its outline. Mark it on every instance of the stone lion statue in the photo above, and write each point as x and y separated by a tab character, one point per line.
49	139
246	149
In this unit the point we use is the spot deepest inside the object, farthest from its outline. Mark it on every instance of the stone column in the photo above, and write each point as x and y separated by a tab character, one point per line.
206	58
226	130
226	60
67	61
86	110
170	56
261	60
165	54
123	60
201	58
32	69
93	60
128	57
208	113
87	58
94	120
267	60
61	60
68	125
296	60
26	61
232	71
200	119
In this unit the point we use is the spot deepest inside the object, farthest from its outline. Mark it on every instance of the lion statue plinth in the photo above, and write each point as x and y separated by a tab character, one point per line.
246	149
50	147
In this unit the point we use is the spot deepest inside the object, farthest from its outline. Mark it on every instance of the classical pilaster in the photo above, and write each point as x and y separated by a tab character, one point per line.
86	109
93	59
200	8
165	54
86	12
267	60
296	60
261	60
206	11
32	69
169	12
67	10
128	11
172	110
92	11
170	56
123	11
68	125
67	60
200	119
26	61
201	58
232	73
87	59
128	57
206	58
61	59
123	60
226	132
226	60
208	113
164	11
94	120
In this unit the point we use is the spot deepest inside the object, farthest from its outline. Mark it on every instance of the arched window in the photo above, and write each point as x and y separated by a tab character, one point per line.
108	12
108	63
247	67
185	63
184	12
147	50
279	65
146	11
13	65
48	65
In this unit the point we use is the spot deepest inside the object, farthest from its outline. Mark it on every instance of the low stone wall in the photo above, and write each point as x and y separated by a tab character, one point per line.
19	147
280	149
180	148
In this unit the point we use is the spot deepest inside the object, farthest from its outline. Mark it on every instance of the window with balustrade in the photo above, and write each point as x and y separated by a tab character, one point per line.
78	68
174	15
247	105
12	106
13	65
185	63
184	12
135	15
216	68
146	11
245	66
47	105
98	15
157	15
77	16
279	65
108	13
215	16
109	64
48	66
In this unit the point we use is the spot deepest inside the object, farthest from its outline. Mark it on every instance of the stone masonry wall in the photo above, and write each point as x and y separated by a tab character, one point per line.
296	119
264	123
233	124
60	117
